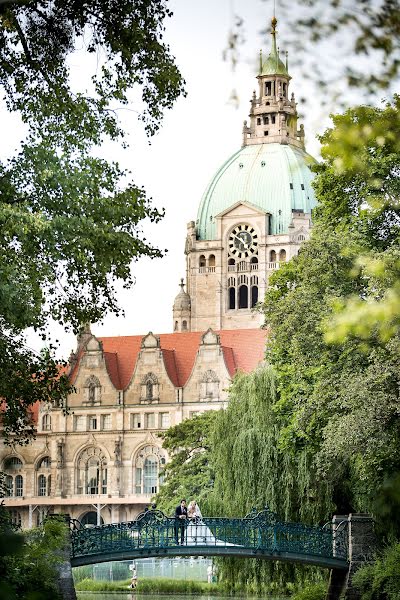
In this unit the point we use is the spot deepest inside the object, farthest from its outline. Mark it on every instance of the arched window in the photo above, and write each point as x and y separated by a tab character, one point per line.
231	261
272	256
254	295
44	463
282	256
202	261
149	462
243	296
254	260
149	387
184	326
19	486
176	326
46	423
89	519
9	486
13	482
92	390
92	472
13	463
42	485
211	260
232	298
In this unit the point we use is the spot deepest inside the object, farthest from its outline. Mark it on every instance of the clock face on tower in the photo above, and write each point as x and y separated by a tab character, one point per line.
243	242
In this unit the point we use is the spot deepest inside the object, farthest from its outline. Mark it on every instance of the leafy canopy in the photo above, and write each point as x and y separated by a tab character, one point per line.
71	221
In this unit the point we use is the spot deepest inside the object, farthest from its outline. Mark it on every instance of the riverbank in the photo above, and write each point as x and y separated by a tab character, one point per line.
153	586
178	587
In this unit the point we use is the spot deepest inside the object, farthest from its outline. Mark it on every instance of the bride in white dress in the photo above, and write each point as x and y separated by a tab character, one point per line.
198	534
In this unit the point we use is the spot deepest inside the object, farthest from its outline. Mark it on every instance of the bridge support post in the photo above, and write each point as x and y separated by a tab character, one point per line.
361	548
65	581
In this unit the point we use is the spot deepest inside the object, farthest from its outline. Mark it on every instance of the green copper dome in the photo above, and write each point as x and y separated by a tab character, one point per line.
275	178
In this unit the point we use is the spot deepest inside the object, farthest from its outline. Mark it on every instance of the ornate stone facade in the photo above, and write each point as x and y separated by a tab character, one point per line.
101	461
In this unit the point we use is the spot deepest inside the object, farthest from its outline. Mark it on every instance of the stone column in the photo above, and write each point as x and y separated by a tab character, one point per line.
362	546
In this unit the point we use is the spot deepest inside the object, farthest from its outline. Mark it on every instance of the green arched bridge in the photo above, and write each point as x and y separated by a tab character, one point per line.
258	535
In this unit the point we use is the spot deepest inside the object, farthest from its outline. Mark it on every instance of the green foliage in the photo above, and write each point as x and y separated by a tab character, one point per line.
251	470
188	472
381	579
70	220
28	562
156	585
315	591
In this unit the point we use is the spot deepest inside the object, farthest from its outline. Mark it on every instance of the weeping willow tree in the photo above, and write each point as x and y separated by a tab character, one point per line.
252	470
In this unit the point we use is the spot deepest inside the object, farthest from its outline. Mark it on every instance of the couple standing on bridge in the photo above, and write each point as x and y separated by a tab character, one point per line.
189	520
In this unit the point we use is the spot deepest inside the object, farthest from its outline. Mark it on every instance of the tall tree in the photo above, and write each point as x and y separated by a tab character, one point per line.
70	220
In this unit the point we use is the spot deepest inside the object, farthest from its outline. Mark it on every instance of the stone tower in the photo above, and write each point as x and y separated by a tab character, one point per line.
255	212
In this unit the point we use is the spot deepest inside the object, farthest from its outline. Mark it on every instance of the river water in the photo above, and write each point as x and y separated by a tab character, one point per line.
132	596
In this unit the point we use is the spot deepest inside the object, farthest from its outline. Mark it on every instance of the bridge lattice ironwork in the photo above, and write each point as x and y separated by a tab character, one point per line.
258	535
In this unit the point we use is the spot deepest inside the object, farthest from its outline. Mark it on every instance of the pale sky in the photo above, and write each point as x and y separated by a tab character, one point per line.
197	136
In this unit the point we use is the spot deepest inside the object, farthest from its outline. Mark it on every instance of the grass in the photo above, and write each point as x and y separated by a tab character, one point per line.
152	586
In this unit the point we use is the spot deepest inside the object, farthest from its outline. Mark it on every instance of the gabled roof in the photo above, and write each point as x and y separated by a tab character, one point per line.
243	349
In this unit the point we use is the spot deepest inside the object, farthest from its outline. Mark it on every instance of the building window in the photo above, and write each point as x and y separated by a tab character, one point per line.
243	296
301	238
266	121
232	298
46	423
92	422
9	486
272	256
92	472
282	256
258	121
184	326
194	413
211	260
13	463
176	327
273	119
266	132
106	421
164	420
19	486
268	88
44	463
79	423
254	295
15	517
42	485
136	421
149	462
150	420
202	261
92	390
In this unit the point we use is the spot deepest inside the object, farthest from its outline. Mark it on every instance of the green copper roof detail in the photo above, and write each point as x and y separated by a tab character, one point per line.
276	178
273	64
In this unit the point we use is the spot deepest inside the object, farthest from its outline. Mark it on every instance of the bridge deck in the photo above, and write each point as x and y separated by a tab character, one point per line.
259	535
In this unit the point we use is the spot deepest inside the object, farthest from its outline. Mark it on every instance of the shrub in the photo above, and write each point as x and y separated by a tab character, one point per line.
381	579
316	591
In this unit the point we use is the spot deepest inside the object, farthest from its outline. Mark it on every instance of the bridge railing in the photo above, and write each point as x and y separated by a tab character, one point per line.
257	531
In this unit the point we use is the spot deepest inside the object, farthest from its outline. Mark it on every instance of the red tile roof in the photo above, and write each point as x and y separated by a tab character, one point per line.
243	349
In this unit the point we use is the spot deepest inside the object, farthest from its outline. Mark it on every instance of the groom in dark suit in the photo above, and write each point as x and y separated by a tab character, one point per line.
180	522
